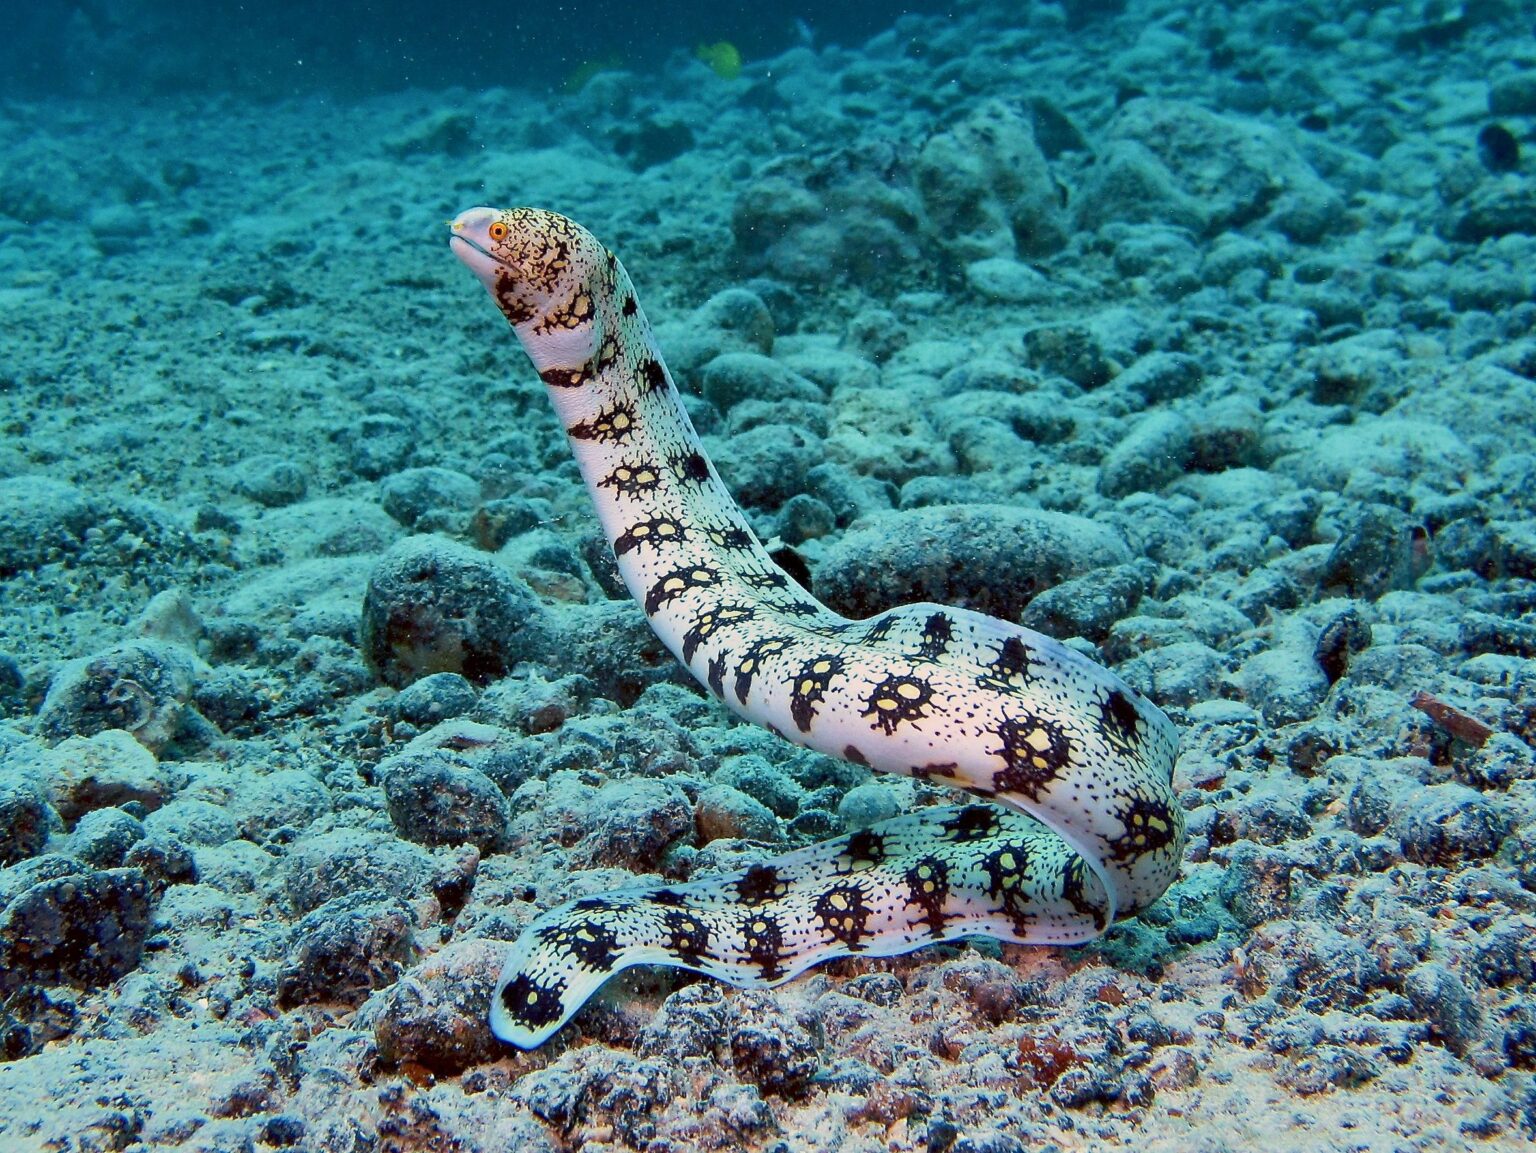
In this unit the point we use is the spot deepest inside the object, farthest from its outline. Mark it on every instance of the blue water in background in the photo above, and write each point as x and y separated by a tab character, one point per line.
288	47
1287	350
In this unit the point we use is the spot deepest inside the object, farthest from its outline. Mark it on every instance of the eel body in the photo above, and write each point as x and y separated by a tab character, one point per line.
1076	823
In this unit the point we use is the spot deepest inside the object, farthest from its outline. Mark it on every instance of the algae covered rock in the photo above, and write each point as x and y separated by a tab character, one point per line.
141	687
435	799
346	948
987	188
41	520
25	820
991	558
85	929
433	606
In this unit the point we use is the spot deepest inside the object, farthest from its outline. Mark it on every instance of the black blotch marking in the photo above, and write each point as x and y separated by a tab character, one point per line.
879	629
595	905
1074	880
843	913
690	467
654	375
1149	826
1118	720
793	608
716	674
765	944
1005	871
566	377
936	769
832	630
608	353
938	631
510	299
971	823
687	936
632	479
898	700
765	580
577	312
630	305
590	943
711	621
661	530
531	1003
760	884
752	661
853	756
865	848
668	898
677	582
729	537
928	889
608	427
1009	669
1035	752
810	688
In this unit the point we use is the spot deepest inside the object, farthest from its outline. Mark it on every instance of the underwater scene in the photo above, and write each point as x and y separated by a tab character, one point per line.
871	577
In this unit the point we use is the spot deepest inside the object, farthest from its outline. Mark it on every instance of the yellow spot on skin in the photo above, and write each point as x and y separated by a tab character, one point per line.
885	703
910	692
1038	739
822	667
533	997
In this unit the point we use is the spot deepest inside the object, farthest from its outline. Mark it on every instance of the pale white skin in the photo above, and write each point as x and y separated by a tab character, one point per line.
1089	829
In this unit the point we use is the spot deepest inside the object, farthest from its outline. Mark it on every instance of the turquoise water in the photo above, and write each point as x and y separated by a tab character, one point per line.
1200	338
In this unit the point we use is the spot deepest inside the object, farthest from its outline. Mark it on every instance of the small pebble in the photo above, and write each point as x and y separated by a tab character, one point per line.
26	819
141	687
433	606
435	800
85	929
345	949
769	1048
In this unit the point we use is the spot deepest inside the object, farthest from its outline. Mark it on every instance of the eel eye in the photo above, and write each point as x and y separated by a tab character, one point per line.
498	230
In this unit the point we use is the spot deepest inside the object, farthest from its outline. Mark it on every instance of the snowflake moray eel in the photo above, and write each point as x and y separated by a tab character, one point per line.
1076	823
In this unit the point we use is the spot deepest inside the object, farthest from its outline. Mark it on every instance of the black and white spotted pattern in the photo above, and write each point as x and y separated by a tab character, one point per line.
1083	826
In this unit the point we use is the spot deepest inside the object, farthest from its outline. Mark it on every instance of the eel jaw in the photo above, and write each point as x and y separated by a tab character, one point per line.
466	239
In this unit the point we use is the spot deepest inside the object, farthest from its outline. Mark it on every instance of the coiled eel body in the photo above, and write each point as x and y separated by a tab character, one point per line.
1078	823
